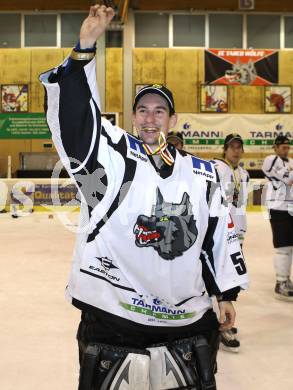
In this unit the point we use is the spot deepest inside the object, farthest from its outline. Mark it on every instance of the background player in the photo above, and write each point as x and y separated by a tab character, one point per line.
278	168
176	139
235	183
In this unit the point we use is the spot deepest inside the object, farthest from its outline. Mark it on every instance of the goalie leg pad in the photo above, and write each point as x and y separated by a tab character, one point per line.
164	370
183	364
106	367
204	363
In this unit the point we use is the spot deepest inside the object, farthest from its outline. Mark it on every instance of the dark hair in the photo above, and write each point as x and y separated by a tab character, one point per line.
282	140
231	137
158	90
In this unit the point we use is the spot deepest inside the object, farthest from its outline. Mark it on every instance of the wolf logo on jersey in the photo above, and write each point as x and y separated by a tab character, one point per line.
171	230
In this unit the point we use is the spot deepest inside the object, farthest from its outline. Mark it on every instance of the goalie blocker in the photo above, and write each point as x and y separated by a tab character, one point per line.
183	364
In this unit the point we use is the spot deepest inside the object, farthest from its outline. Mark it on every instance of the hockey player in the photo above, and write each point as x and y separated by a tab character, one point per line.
154	243
176	139
278	168
235	183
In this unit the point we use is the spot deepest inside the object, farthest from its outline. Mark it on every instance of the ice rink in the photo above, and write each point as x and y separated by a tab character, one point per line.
37	326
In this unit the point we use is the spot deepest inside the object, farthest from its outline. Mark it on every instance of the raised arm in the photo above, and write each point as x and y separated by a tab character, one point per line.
95	25
82	137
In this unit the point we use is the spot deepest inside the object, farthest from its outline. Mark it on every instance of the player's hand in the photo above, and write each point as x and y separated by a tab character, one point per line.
95	25
227	315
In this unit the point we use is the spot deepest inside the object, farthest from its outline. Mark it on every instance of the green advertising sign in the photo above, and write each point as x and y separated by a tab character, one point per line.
220	141
23	125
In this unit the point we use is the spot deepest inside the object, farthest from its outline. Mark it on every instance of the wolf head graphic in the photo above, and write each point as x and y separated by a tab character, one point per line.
170	230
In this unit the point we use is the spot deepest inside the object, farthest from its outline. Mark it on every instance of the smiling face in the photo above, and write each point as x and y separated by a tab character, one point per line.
234	152
151	117
282	150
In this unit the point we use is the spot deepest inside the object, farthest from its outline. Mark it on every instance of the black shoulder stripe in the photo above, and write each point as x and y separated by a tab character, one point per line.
45	100
273	163
208	278
209	183
272	178
207	255
76	117
217	175
130	168
208	242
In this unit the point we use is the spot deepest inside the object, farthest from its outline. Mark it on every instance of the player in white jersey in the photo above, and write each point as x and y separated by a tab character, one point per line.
278	169
157	244
235	183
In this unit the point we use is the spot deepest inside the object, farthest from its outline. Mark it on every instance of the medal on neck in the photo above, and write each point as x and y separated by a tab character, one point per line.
161	150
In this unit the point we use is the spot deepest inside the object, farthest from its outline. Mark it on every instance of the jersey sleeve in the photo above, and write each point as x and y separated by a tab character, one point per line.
226	179
84	140
275	170
223	265
244	189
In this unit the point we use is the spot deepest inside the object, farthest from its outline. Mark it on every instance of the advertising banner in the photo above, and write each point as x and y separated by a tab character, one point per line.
38	192
21	125
34	125
206	132
44	195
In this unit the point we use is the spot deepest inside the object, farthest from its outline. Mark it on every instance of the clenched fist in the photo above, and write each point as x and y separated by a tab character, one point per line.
95	25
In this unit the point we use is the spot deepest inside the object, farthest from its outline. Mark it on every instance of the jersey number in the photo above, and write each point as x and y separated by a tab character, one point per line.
239	263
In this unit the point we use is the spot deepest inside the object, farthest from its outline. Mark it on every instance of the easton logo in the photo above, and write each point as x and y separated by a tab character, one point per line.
106	263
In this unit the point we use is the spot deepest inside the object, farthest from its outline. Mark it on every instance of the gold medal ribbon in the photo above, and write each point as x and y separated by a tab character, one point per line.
162	150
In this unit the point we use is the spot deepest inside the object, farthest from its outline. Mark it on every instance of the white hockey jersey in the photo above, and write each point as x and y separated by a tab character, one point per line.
279	189
235	183
155	242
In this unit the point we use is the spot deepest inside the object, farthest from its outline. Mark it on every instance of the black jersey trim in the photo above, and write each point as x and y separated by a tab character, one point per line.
188	299
273	163
273	178
76	117
164	171
207	248
130	168
208	191
108	281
